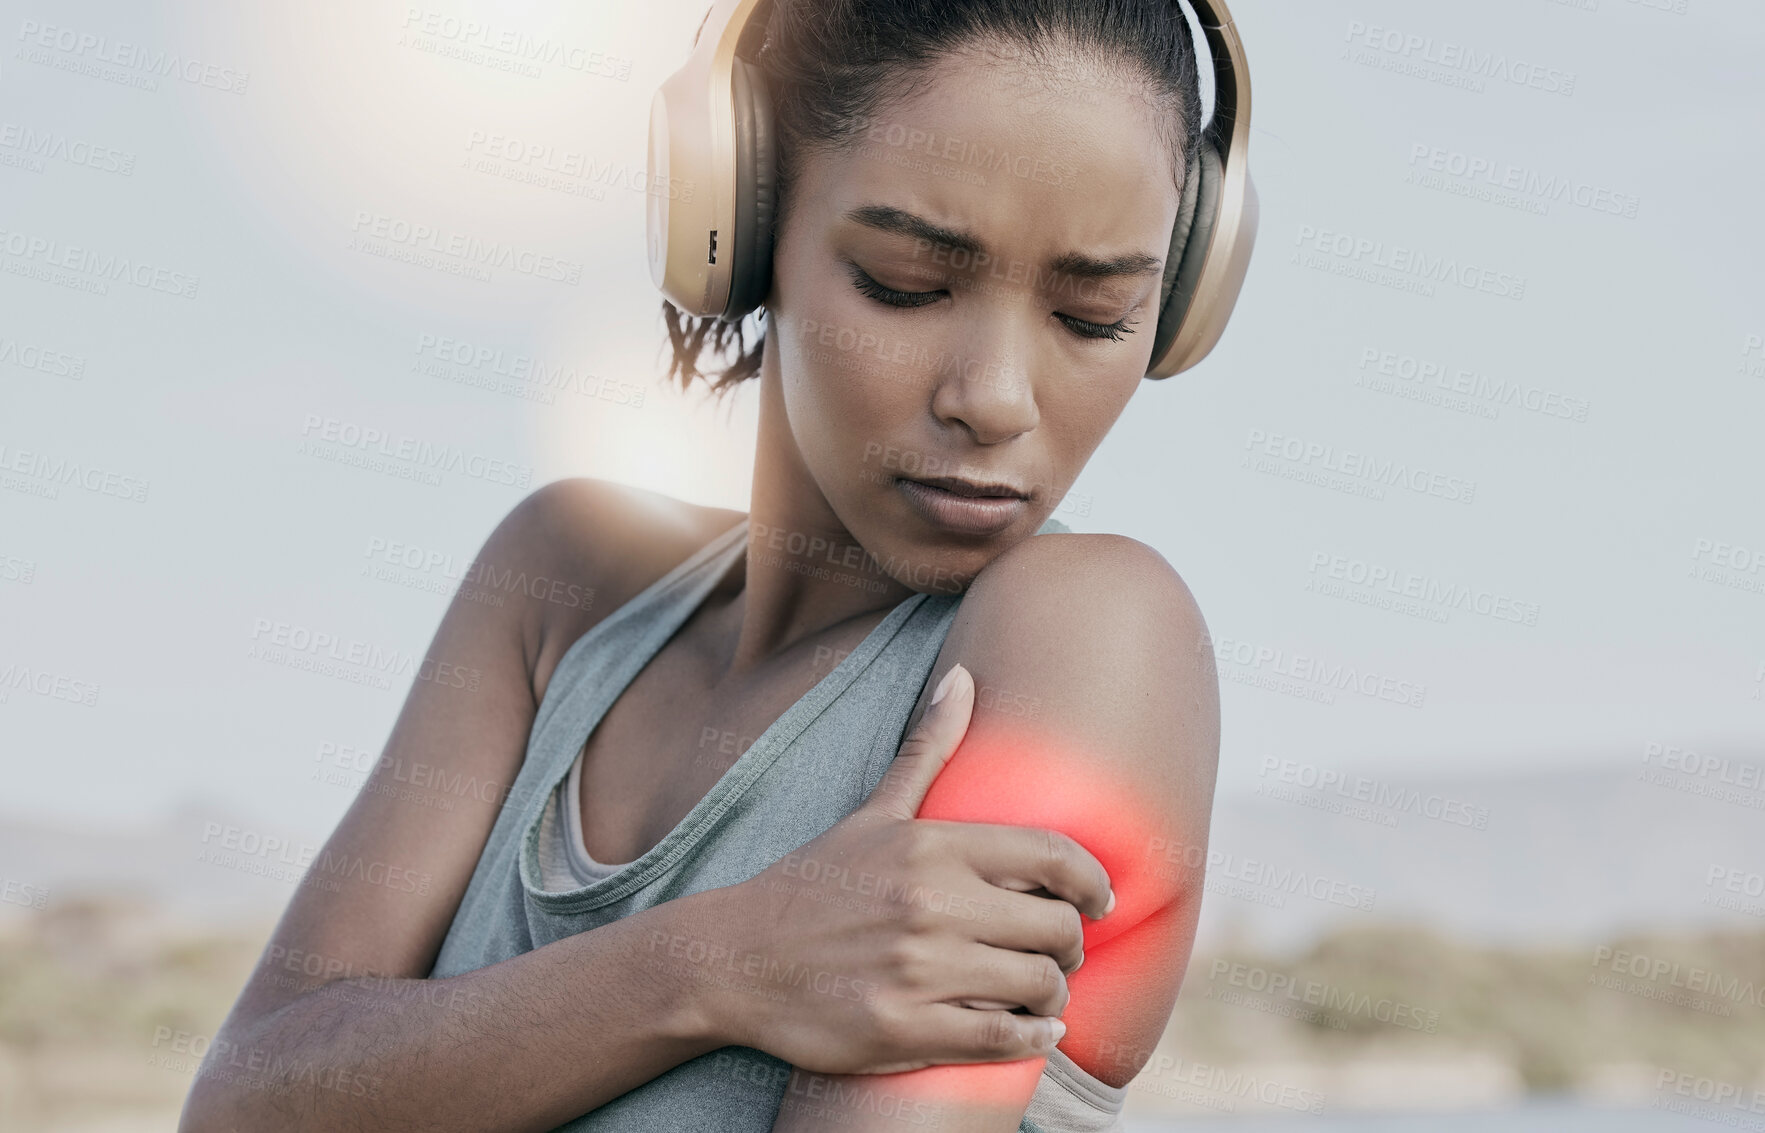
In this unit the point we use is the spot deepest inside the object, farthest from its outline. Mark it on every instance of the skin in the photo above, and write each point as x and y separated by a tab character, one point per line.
1096	631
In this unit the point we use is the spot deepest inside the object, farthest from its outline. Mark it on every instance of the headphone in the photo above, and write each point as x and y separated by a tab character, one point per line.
711	126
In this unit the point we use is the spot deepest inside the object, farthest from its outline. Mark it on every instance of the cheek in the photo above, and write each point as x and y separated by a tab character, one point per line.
1077	415
844	397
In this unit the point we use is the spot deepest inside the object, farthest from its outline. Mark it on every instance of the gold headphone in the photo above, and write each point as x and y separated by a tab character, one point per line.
711	128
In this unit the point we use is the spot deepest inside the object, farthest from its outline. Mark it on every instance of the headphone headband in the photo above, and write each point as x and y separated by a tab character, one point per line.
711	132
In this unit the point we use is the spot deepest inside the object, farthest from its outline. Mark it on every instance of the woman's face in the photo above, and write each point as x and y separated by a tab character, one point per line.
969	294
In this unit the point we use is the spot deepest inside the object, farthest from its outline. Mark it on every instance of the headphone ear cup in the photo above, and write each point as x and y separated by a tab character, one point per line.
1197	215
755	166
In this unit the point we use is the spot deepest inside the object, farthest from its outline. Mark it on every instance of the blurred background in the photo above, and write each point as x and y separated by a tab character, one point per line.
1489	844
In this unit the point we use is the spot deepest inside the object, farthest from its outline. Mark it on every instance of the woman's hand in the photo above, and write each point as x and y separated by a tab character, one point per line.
856	953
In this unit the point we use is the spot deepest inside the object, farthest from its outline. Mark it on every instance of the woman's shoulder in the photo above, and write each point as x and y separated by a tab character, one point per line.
1084	572
584	547
603	524
1097	628
1105	635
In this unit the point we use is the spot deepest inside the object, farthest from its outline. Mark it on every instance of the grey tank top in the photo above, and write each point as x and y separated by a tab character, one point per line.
811	768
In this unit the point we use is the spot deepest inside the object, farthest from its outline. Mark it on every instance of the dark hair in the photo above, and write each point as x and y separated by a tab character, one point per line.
832	64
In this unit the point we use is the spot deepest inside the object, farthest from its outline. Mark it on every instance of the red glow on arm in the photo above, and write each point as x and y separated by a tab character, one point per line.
978	1085
1007	773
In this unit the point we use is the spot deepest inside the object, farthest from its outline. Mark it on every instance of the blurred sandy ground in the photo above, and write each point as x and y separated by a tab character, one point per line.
106	1005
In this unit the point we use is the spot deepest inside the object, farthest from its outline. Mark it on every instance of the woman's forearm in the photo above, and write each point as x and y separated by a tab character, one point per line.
525	1044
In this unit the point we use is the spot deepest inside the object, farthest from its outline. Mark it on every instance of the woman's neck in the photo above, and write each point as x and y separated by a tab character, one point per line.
803	573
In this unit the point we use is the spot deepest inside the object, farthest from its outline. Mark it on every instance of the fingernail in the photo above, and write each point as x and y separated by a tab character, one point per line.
1078	965
1059	1029
944	685
1111	905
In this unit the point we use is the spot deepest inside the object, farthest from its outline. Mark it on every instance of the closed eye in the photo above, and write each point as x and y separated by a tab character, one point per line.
868	286
1112	331
909	299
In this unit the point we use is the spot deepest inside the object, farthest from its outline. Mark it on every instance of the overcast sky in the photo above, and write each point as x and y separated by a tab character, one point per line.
1606	519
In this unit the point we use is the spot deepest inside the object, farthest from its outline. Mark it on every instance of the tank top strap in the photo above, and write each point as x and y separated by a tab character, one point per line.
602	662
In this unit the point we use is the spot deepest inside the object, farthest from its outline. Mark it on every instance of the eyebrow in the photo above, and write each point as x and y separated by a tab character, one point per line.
899	222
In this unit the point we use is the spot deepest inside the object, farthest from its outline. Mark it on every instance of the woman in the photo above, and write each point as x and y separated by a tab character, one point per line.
684	886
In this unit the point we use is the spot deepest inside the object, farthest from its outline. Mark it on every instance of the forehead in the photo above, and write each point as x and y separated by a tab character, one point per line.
1035	154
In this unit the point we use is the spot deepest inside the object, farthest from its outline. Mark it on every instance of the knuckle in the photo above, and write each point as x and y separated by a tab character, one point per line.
1045	976
1055	980
917	743
913	916
888	1026
923	846
1072	925
908	960
1057	849
998	1032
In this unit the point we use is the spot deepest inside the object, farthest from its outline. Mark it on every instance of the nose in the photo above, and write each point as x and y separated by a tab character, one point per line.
987	392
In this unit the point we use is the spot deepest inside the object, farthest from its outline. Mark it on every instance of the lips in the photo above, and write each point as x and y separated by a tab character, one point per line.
964	507
970	488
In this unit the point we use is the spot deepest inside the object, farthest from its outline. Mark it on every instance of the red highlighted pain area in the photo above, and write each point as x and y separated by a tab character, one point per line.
1010	774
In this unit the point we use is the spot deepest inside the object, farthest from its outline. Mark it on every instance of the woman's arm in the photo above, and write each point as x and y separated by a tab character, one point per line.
337	1028
1097	715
